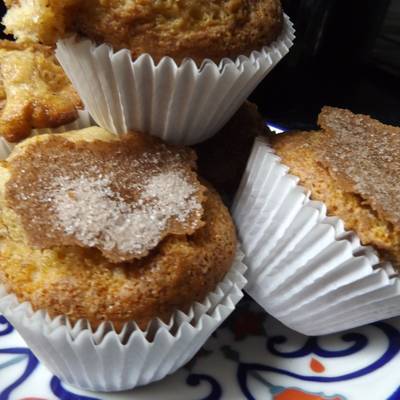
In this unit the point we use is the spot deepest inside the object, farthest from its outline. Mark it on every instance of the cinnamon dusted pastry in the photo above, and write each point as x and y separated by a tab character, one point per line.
352	165
190	28
103	227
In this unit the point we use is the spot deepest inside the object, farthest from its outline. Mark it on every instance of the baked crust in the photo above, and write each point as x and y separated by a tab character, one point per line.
34	91
90	188
349	166
81	283
363	155
179	28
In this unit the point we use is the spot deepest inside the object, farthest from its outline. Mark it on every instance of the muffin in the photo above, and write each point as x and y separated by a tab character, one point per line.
330	262
223	158
113	248
34	91
350	165
122	222
176	70
178	29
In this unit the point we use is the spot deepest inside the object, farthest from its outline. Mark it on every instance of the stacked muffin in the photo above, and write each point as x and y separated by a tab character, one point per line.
112	247
331	263
177	70
195	29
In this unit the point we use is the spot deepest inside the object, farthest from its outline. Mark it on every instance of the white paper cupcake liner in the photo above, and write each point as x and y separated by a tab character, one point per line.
83	121
181	104
304	268
105	360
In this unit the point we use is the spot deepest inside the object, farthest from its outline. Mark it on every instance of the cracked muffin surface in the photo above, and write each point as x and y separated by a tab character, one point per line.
177	28
34	91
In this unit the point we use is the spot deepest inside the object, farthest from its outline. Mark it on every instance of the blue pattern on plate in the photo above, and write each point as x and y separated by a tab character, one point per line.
24	354
312	347
63	394
243	326
216	389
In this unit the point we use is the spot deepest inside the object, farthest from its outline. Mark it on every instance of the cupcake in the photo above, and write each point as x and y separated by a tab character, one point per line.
199	30
329	263
35	93
350	166
177	70
113	249
223	158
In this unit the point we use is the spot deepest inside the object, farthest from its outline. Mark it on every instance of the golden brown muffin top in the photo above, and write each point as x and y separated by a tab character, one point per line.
177	28
363	154
351	166
90	188
301	152
81	283
34	91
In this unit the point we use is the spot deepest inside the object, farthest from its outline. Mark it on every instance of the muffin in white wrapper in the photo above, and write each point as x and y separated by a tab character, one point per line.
304	268
83	121
106	360
182	104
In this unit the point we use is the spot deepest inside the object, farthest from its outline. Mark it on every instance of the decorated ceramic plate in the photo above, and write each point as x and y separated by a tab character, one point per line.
251	356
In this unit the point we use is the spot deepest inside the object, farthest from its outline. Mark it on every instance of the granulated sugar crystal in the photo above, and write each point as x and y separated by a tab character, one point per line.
88	209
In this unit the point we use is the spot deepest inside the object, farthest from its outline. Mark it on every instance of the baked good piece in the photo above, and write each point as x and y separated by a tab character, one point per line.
351	165
91	188
190	28
34	91
68	231
223	158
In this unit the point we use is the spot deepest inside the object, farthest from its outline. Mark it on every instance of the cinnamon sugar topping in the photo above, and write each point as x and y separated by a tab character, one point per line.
98	217
122	197
364	154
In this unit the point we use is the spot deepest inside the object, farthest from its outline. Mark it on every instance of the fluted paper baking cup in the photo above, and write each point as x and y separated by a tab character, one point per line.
106	360
83	121
181	104
305	269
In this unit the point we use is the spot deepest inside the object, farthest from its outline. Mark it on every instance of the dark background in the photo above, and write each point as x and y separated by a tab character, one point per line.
346	54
